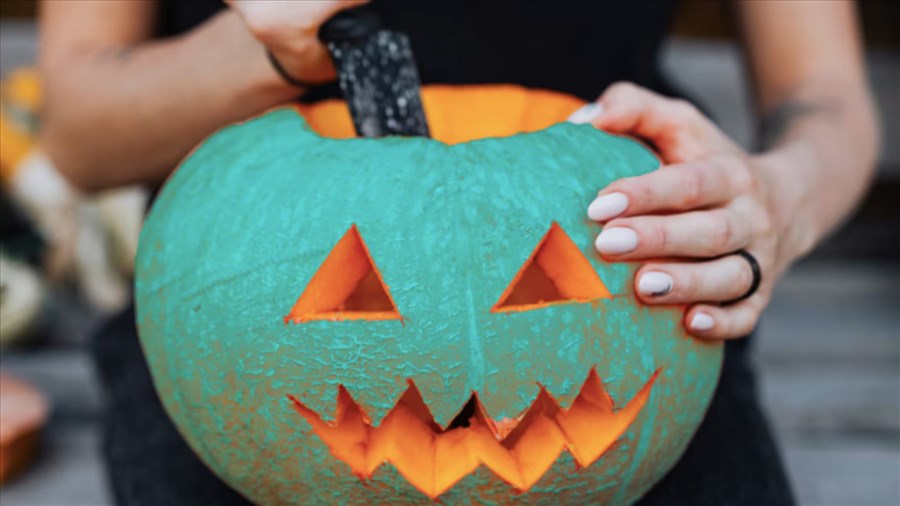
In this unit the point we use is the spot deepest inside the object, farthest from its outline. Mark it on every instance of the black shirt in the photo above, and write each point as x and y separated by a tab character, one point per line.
576	47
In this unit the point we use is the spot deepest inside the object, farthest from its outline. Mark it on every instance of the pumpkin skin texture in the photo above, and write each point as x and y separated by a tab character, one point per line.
247	220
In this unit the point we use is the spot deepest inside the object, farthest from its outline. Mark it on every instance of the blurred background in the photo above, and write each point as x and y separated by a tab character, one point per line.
829	347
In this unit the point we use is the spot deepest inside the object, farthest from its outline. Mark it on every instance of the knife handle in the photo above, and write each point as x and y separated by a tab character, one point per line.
349	25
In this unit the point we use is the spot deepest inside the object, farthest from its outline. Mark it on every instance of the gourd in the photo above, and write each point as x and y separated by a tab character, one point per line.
332	320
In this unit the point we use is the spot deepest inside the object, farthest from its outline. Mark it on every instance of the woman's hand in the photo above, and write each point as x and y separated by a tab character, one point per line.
290	31
687	219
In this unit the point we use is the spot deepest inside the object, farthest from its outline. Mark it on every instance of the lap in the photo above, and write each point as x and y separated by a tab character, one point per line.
147	460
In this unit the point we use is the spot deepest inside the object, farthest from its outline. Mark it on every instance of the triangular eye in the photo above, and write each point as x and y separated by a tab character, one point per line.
556	272
347	286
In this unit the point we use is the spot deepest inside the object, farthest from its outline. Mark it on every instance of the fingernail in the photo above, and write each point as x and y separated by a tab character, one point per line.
701	322
655	284
616	240
607	206
586	114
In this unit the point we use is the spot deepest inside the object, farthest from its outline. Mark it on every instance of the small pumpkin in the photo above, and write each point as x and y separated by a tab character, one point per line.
382	321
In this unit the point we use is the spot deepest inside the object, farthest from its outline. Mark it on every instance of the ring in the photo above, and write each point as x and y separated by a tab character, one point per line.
757	276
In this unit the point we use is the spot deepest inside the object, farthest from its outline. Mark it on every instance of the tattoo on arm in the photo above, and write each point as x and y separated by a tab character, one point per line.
774	125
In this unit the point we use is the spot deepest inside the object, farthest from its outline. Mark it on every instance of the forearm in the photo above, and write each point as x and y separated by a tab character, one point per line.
158	99
819	136
821	144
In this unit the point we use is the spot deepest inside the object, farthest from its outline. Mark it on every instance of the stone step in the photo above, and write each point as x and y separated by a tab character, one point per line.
65	374
843	471
806	399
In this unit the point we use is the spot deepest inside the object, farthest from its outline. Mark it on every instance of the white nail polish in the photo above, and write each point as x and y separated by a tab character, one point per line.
606	207
586	114
702	321
655	284
616	240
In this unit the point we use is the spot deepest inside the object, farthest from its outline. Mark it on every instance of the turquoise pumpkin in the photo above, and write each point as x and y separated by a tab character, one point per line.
449	292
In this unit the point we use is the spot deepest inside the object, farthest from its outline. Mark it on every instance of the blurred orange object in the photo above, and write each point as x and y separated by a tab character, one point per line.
20	97
90	240
23	414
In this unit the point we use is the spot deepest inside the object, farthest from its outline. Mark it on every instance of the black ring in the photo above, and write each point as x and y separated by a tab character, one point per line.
284	75
757	276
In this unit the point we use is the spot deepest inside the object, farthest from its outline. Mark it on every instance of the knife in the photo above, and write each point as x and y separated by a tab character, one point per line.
377	75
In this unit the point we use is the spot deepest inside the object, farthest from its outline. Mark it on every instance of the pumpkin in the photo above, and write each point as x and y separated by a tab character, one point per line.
389	321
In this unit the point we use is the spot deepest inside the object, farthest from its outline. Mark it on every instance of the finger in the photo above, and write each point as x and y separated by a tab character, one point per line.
674	126
585	114
718	280
702	234
724	322
677	187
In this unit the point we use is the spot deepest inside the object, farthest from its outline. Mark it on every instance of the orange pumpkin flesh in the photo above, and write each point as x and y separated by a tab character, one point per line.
433	459
557	272
347	286
464	114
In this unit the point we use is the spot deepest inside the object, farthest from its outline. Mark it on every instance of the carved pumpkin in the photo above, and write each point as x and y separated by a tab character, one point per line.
358	321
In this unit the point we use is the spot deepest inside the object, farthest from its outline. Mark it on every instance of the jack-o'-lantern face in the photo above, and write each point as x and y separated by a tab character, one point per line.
433	458
446	295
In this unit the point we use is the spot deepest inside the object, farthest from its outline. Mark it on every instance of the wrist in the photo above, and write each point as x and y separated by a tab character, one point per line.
305	66
265	80
298	74
789	174
256	81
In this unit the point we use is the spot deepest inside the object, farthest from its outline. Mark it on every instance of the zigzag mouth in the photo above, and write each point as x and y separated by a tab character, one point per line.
519	451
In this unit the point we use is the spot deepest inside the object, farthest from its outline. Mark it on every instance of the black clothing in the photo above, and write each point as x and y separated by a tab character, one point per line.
574	47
